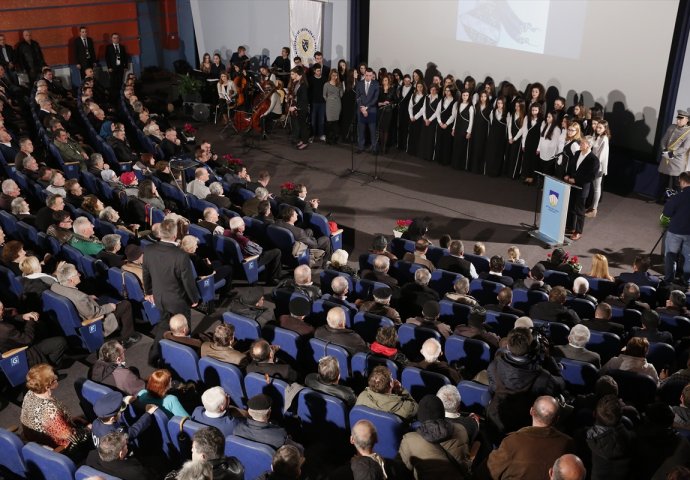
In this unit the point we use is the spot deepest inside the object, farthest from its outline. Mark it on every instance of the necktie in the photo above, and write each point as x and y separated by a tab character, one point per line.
85	44
117	49
4	54
366	88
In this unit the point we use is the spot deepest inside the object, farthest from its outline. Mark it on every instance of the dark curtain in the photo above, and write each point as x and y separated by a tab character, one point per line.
359	38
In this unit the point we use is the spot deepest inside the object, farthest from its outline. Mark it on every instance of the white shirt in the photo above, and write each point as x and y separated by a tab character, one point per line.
460	109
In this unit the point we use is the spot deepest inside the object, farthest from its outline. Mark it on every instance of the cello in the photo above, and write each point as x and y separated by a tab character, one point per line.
262	106
240	85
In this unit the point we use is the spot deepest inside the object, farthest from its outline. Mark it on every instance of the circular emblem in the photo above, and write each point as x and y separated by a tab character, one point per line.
304	43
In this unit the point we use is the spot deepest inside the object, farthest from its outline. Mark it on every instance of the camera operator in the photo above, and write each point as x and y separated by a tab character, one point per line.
517	377
678	234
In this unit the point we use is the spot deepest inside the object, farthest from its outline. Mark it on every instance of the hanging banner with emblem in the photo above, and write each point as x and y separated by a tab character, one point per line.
305	28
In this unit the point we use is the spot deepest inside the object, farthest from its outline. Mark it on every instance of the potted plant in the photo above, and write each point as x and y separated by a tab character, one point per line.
190	88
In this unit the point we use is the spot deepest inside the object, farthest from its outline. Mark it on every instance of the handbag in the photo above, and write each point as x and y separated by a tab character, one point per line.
253	248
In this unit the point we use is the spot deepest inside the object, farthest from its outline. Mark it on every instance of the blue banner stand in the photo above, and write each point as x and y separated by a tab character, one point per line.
553	213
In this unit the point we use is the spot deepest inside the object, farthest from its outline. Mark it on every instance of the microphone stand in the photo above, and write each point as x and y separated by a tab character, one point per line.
353	132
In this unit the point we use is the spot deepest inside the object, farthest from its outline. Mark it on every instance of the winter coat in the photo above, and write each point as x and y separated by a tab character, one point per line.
438	449
402	405
612	451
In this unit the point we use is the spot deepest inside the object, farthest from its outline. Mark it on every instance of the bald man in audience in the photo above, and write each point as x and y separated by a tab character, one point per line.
531	451
568	467
335	332
179	333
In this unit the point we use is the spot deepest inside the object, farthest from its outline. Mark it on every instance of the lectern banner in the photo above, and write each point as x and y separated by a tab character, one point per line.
554	208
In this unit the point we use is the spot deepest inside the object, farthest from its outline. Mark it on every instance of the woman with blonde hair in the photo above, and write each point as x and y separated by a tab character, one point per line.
571	145
600	267
600	148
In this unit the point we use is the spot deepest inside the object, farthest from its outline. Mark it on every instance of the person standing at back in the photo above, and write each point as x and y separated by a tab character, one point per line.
169	282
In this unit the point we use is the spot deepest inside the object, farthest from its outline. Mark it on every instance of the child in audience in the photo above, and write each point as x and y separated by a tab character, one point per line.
479	249
514	255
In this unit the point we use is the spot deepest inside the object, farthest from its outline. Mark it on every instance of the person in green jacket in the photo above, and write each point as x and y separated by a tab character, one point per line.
83	239
387	395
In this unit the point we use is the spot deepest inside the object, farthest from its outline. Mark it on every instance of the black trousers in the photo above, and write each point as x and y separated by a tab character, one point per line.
271	259
577	209
123	313
50	350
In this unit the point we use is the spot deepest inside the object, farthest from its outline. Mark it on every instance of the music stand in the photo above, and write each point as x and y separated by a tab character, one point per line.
555	199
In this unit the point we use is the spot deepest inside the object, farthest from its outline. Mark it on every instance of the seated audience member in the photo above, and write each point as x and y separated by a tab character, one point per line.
456	262
387	395
19	330
335	332
629	298
45	420
119	314
534	280
75	193
476	328
214	411
633	360
380	272
658	446
378	247
269	258
558	261
602	321
495	273
134	256
380	305
650	329
431	351
575	350
367	464
157	393
414	295
461	293
264	361
438	447
444	241
451	399
250	304
108	409
640	275
264	213
111	369
301	282
69	149
338	263
298	198
197	187
516	378
263	178
120	145
211	221
681	419
421	246
34	283
505	300
208	453
417	229
580	289
340	289
299	308
221	346
304	235
205	267
21	210
112	457
111	245
600	268
286	464
62	228
386	346
10	191
13	254
532	450
675	305
479	249
431	311
171	146
179	333
45	216
258	428
250	207
217	197
611	444
326	381
84	239
555	310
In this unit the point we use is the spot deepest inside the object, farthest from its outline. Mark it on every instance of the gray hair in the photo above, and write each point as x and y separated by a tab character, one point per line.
8	186
450	396
64	272
422	276
339	285
462	286
27	160
79	224
259	415
17	205
110	350
235	223
329	369
579	336
110	241
208	211
302	274
524	322
381	263
677	298
580	286
195	470
261	193
339	258
431	350
336	317
188	241
214	399
216	188
110	446
109	214
96	158
588	139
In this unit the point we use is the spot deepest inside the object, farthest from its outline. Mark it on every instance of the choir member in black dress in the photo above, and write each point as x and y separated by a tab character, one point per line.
342	70
427	137
417	77
462	131
536	95
530	142
571	145
480	132
347	112
498	139
514	156
387	100
445	117
580	116
405	92
217	66
415	111
299	107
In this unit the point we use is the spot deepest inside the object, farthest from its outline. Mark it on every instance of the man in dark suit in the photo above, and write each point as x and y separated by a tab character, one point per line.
169	282
257	426
380	273
305	236
30	56
367	93
84	53
121	148
7	57
455	262
495	273
505	299
629	298
602	321
554	310
117	59
111	457
415	294
575	350
640	275
299	199
264	362
581	172
8	149
171	146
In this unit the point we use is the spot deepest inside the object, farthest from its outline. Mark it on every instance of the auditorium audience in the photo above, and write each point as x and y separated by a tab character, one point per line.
386	394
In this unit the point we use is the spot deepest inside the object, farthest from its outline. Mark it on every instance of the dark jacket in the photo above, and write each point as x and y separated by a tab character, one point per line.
128	469
122	378
262	315
554	312
437	449
413	297
282	371
346	338
346	394
455	264
503	279
612	452
226	424
266	433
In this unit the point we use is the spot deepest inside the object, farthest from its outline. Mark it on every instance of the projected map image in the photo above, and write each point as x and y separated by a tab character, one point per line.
515	24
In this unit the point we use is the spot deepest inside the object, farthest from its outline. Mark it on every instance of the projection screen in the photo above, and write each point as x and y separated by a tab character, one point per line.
610	51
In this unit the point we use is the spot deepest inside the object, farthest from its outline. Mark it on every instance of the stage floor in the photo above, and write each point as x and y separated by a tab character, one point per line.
464	205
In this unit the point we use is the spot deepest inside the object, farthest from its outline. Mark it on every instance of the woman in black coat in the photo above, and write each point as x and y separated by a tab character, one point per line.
480	133
498	137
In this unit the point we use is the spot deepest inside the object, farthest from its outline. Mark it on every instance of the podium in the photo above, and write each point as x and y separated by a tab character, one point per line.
555	199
